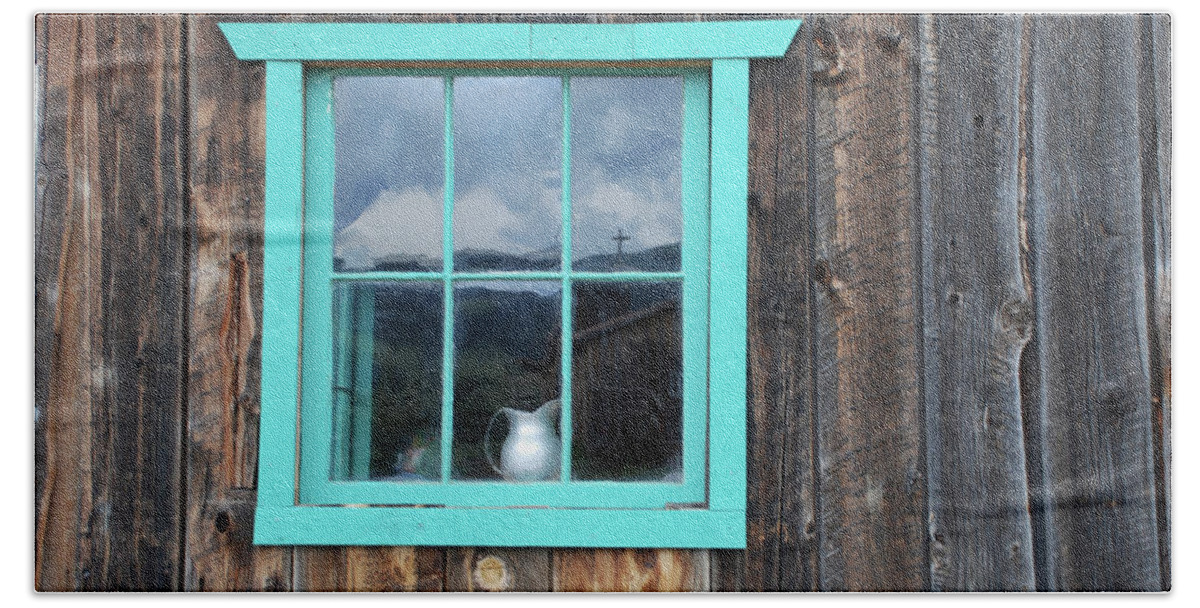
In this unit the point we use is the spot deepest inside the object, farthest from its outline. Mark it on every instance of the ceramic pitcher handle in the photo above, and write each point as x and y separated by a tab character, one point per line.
487	444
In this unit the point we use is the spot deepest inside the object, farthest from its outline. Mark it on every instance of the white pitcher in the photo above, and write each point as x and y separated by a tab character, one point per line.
533	450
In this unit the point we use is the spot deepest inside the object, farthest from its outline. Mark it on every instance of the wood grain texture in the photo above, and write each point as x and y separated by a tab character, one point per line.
372	569
870	424
976	309
1154	108
1093	396
68	294
109	513
591	570
226	110
49	222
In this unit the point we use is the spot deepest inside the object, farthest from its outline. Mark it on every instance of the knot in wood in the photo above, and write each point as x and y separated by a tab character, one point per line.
223	522
491	574
828	66
1016	320
889	40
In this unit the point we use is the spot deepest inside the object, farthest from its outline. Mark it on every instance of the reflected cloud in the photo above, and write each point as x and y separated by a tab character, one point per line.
401	227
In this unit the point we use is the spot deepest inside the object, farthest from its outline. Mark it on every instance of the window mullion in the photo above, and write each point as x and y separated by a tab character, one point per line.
447	285
567	318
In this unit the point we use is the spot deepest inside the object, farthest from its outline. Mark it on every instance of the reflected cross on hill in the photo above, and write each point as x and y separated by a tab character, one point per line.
620	239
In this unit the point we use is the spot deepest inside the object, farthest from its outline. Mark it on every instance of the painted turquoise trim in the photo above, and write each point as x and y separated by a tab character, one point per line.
506	69
694	188
555	494
559	41
509	41
318	458
634	528
567	316
281	286
727	324
714	39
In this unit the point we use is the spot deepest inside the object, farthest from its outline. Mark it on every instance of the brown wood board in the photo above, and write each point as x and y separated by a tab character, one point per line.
1085	210
977	311
112	160
869	415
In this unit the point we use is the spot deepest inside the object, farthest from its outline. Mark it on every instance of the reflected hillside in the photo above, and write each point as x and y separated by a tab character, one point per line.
663	258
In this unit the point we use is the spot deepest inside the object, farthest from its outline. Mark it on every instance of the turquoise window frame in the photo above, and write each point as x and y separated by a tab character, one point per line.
297	504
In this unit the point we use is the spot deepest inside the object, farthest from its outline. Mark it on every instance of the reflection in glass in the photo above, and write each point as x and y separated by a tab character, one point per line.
387	357
388	146
507	173
627	382
626	168
507	337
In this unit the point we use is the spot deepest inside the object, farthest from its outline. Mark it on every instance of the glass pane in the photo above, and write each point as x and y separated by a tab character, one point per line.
507	337
627	382
387	201
507	173
387	381
626	167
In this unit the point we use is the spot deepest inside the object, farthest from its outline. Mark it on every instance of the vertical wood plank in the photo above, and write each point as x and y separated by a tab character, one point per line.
799	549
870	424
145	246
69	291
1093	400
109	516
50	135
1154	108
41	245
767	393
977	313
226	110
1032	359
781	549
593	570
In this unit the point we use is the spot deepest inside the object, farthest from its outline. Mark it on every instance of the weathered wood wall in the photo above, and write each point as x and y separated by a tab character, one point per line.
960	266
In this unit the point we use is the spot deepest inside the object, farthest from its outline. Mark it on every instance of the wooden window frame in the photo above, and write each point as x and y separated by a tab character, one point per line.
294	53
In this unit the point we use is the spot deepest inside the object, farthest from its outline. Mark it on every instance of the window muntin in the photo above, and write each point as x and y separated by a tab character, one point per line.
651	282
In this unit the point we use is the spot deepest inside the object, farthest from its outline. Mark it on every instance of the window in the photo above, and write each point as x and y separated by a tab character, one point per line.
505	274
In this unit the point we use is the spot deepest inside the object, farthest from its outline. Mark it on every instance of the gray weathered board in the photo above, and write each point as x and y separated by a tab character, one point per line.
959	357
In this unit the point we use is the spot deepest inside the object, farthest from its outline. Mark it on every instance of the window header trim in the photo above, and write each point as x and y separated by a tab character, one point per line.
509	41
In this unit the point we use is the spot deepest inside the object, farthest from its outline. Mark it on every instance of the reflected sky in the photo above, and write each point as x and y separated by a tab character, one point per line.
626	136
626	142
388	171
507	173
